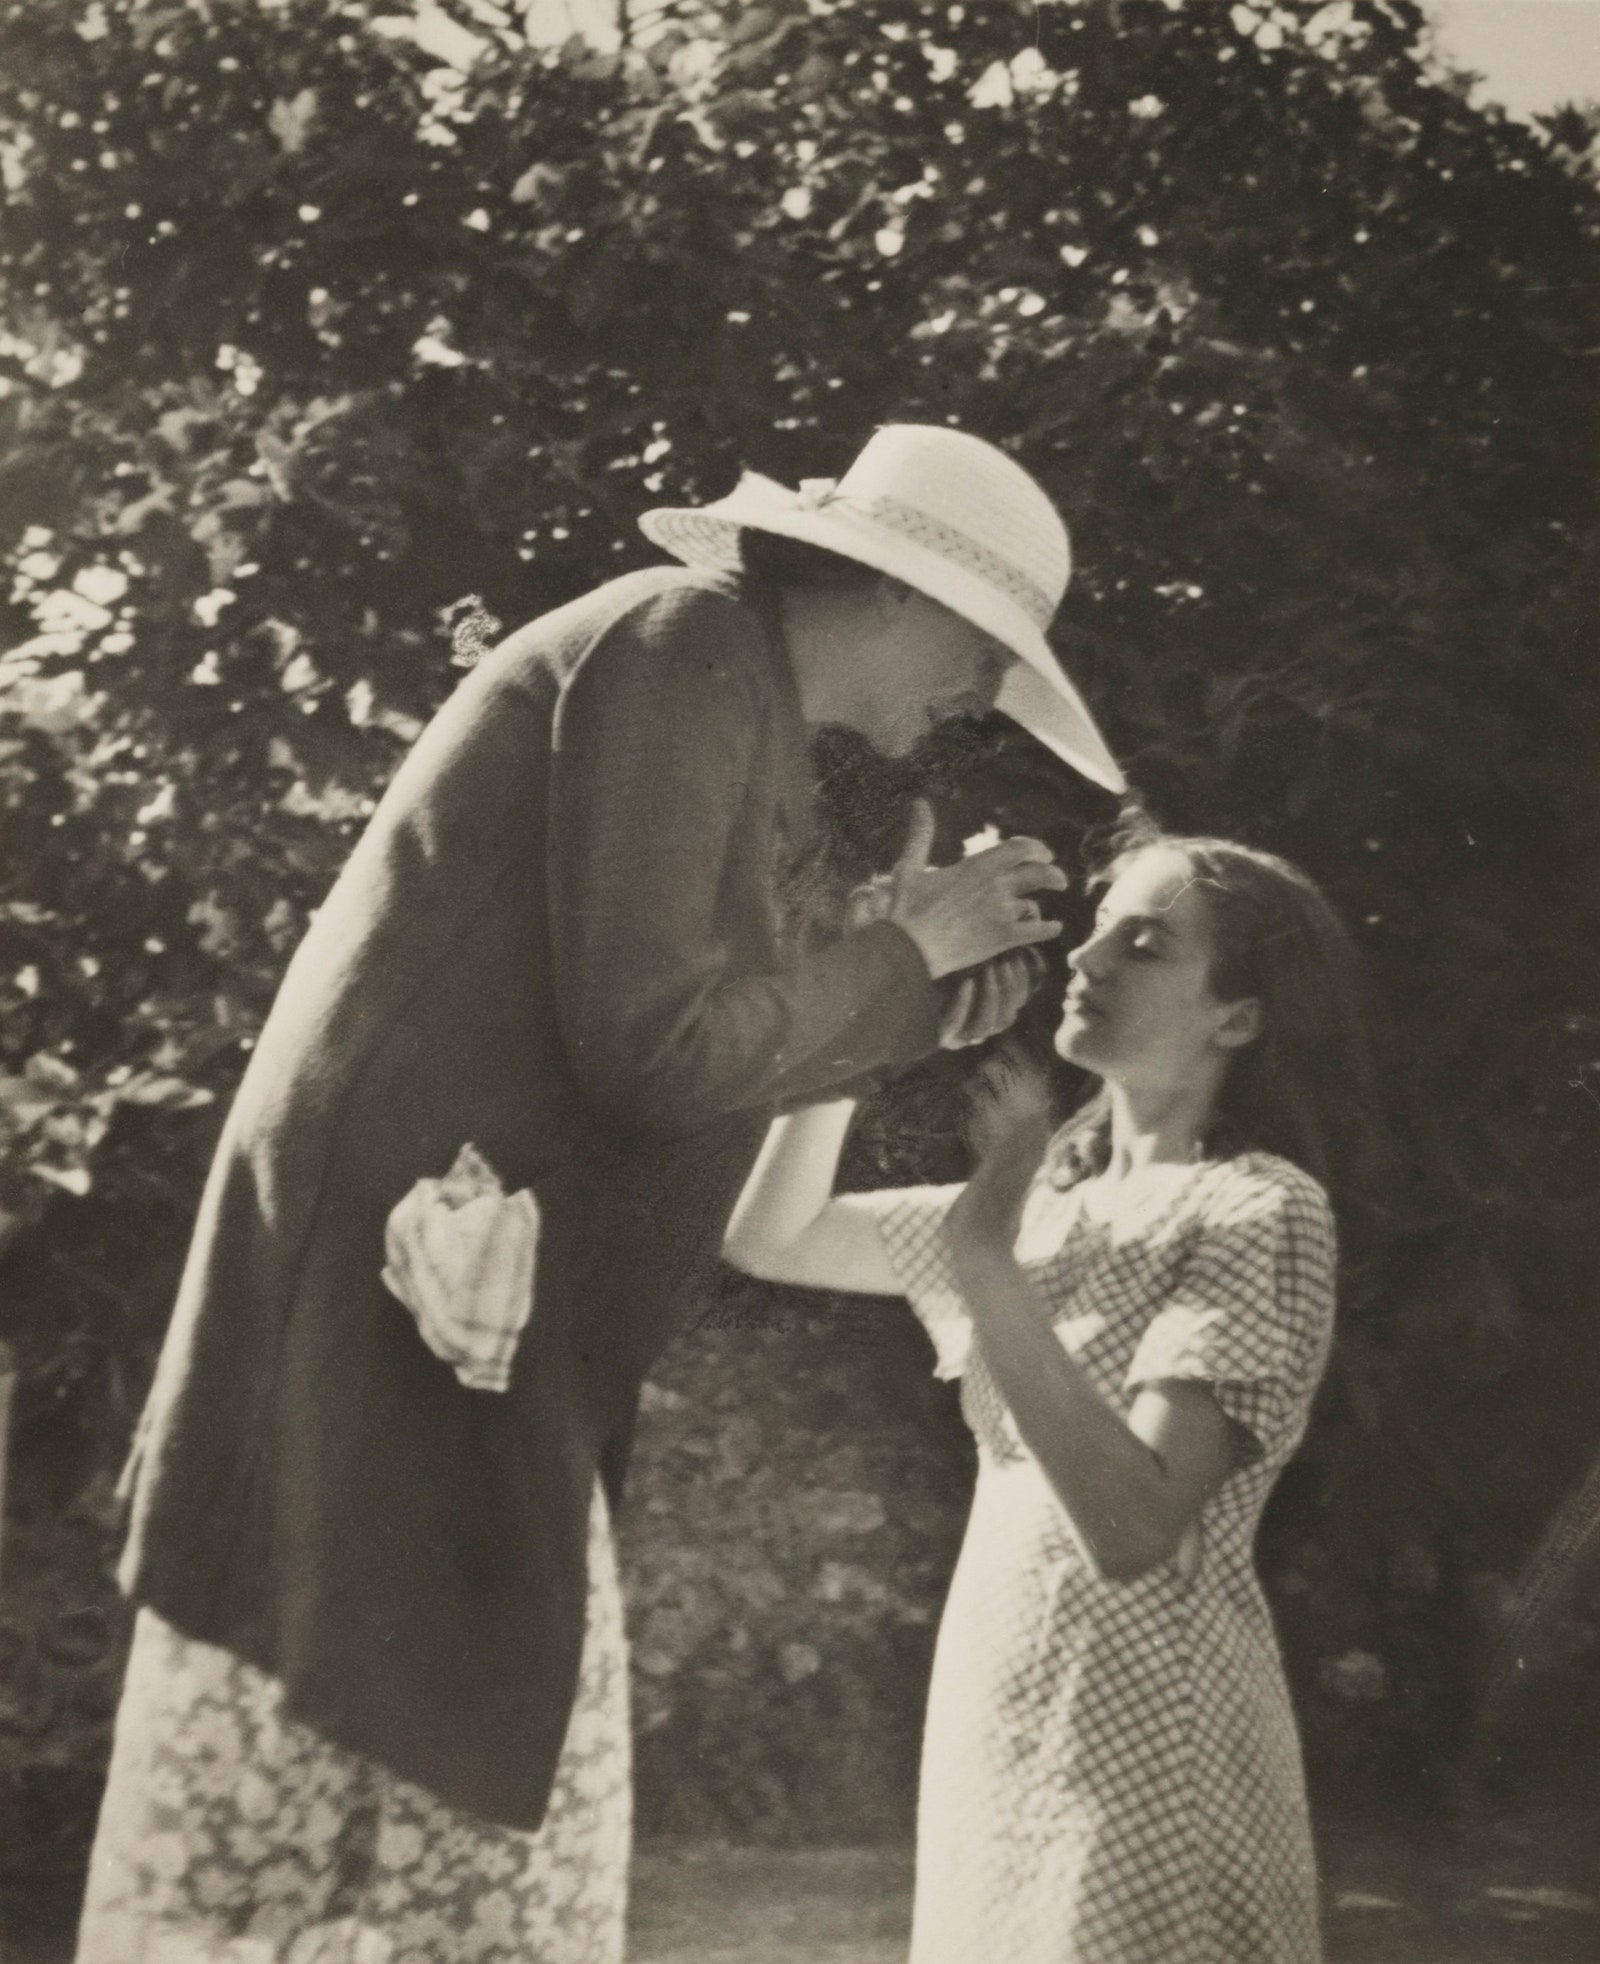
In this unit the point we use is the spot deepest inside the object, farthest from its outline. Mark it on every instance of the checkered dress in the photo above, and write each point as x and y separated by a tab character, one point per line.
1111	1772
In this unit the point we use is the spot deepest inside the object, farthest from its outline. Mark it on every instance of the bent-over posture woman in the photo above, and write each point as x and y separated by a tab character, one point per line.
1139	1310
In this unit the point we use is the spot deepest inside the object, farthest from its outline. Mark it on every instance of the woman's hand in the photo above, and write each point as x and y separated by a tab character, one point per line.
984	905
987	1000
990	999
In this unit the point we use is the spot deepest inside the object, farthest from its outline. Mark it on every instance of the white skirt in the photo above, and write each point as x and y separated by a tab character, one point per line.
232	1834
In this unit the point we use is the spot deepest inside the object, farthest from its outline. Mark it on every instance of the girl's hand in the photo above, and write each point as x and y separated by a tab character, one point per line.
1011	1124
1011	1085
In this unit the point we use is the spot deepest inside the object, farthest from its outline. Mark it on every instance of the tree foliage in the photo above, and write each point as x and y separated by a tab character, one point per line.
309	335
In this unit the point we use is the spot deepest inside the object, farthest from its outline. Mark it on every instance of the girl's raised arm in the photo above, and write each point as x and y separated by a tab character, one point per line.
790	1226
1132	1488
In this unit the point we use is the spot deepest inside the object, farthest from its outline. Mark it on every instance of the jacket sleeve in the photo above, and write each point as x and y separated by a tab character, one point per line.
656	741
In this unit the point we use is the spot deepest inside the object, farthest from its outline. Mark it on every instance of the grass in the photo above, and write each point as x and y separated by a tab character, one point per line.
1517	1888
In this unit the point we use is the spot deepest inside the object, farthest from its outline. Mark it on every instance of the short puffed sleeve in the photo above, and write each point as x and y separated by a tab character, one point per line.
911	1223
1251	1312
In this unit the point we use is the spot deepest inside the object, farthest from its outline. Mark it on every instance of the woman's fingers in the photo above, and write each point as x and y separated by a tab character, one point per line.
915	853
986	1010
955	1025
1004	992
1016	975
1018	849
1029	934
1031	875
989	1000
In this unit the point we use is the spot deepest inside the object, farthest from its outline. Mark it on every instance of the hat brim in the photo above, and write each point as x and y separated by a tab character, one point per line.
1035	691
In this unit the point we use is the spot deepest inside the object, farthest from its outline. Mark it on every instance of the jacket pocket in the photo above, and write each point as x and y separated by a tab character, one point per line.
459	1254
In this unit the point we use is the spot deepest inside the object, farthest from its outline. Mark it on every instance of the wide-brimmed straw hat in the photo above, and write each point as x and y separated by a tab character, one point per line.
953	517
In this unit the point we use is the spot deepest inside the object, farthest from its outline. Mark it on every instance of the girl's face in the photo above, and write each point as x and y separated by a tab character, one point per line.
1139	1008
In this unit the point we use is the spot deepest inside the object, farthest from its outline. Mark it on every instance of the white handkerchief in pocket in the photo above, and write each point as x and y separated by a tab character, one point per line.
459	1254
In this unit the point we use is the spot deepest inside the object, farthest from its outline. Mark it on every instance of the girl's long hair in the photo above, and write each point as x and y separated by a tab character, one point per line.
1306	1088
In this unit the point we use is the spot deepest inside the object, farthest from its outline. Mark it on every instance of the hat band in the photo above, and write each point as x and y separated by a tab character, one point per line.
945	540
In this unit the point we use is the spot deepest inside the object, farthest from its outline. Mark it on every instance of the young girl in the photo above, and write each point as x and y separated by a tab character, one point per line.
1139	1310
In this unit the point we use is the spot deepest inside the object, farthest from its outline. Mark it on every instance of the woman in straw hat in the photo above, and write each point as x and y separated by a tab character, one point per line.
1139	1309
489	1135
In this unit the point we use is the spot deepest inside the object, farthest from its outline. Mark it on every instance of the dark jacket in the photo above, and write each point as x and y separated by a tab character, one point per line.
560	939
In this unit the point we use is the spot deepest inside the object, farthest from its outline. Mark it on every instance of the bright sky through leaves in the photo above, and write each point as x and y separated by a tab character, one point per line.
1533	55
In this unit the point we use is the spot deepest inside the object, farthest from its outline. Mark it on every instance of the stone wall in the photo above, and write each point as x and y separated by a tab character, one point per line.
795	1505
